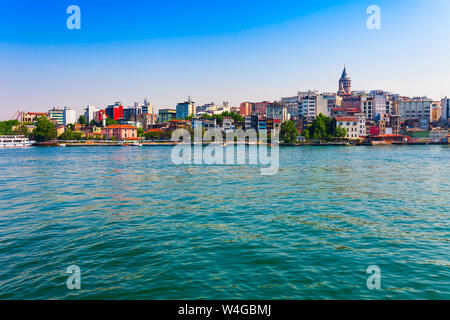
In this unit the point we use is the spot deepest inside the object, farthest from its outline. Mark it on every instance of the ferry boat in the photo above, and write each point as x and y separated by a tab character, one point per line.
15	142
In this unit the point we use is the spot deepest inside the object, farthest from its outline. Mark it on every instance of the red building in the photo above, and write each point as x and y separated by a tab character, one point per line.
351	102
115	111
260	108
245	109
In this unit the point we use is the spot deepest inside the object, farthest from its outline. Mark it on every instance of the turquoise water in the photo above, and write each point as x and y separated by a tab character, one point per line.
141	228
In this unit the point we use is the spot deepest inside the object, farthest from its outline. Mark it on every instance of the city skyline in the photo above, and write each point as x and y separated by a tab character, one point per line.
284	47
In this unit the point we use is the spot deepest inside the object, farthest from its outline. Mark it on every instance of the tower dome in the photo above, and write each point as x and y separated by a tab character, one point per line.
345	83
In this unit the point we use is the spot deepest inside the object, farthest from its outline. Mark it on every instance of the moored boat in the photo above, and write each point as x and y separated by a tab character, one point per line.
15	142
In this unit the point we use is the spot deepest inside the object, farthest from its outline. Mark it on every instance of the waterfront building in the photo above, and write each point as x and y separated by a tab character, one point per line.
228	124
262	123
445	110
260	108
185	109
70	116
99	116
361	124
367	107
246	109
438	134
205	124
115	111
307	104
395	124
273	124
57	116
345	83
167	115
292	105
327	102
338	112
425	123
89	113
352	103
120	132
212	109
147	107
131	113
381	104
251	122
146	120
436	111
277	111
349	123
415	108
31	117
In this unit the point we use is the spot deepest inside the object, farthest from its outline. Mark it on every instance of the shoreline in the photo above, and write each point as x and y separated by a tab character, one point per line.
171	144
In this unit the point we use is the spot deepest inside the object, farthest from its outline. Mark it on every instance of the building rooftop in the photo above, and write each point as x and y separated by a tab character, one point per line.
348	119
120	126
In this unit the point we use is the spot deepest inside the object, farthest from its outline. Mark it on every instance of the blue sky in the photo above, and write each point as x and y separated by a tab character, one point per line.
215	50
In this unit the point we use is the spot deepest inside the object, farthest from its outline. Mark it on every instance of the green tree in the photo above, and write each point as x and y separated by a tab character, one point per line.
140	132
94	123
67	135
22	131
110	122
82	120
78	135
321	128
340	132
6	126
45	130
288	132
306	134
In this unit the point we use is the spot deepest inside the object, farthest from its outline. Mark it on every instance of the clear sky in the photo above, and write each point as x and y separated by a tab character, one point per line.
234	50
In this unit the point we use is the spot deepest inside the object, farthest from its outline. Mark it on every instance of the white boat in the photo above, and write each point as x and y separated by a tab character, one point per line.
15	142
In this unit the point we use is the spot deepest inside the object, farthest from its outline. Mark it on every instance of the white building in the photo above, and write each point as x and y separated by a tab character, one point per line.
311	103
351	124
147	107
291	104
212	109
415	108
89	113
70	116
326	102
277	111
361	124
381	105
368	107
307	104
